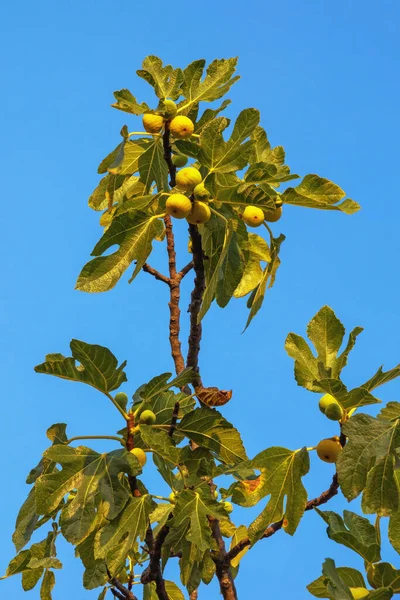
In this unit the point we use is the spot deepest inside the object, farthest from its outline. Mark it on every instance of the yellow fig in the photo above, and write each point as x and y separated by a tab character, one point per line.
253	216
153	123
359	592
178	206
188	178
140	455
199	214
325	401
329	449
227	506
181	127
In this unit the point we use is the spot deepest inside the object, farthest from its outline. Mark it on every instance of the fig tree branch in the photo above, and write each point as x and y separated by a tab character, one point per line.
159	276
195	302
153	571
174	419
186	270
315	502
222	563
174	277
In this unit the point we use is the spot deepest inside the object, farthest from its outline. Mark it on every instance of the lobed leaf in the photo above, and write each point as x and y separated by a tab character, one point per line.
97	366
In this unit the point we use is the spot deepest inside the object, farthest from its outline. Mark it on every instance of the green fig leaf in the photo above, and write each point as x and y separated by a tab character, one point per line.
130	524
166	81
97	366
217	82
354	532
134	233
281	478
208	428
128	103
317	192
367	463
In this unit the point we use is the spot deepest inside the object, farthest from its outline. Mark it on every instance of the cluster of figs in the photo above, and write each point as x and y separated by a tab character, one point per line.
191	199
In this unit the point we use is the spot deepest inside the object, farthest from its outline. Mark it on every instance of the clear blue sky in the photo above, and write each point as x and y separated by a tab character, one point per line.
323	75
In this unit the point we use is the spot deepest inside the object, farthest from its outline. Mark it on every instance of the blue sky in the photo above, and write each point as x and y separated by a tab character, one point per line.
323	76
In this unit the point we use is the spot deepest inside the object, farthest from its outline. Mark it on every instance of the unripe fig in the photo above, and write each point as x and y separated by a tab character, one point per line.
169	109
140	455
147	417
153	123
329	449
253	216
359	592
181	127
334	411
201	193
121	399
227	506
199	214
273	216
188	178
215	494
179	160
325	401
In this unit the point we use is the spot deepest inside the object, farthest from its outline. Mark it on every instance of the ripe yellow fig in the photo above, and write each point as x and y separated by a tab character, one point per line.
178	205
140	455
359	592
215	494
334	411
153	123
147	417
253	216
201	193
169	109
172	497
329	449
179	160
188	178
227	506
199	214
274	216
325	401
181	127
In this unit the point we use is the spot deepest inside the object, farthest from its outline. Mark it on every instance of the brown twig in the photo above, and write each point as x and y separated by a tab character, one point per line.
175	292
185	270
168	156
117	594
122	593
174	419
195	303
222	563
153	571
159	276
322	499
